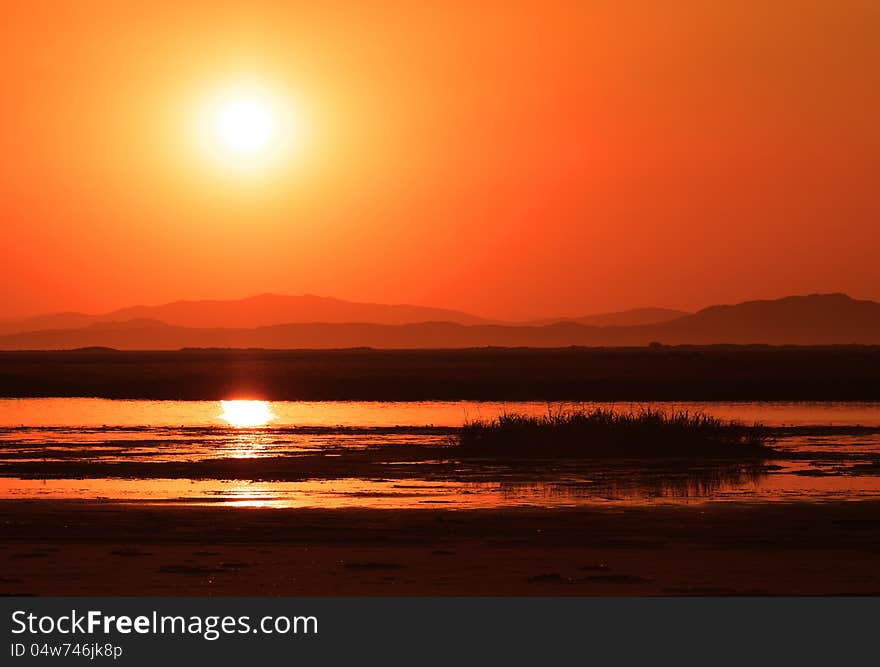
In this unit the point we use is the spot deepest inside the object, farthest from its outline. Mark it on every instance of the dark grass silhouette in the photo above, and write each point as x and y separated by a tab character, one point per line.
608	433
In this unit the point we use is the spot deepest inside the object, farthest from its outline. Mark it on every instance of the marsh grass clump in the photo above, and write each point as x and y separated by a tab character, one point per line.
609	433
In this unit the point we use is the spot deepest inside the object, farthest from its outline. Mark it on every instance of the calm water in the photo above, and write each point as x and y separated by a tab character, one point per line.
178	451
82	412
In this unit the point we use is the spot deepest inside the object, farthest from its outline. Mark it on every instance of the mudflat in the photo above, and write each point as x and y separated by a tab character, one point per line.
69	548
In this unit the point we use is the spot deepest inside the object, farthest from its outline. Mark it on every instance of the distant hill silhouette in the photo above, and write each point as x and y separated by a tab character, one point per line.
49	321
255	311
818	319
271	309
623	318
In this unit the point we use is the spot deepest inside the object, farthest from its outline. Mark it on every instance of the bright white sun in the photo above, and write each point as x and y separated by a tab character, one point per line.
248	126
245	126
246	413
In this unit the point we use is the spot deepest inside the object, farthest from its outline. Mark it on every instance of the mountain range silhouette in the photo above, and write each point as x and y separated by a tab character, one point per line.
288	322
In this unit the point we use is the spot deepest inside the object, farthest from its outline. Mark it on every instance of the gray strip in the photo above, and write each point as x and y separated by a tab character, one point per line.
491	631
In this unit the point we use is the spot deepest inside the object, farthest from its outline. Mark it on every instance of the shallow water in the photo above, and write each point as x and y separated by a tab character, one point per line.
83	412
71	448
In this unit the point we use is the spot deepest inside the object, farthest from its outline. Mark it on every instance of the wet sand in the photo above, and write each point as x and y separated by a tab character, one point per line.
95	548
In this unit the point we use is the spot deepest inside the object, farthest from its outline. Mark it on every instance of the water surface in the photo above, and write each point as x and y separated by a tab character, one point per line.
77	412
159	452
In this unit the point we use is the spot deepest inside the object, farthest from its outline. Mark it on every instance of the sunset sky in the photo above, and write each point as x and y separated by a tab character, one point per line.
513	160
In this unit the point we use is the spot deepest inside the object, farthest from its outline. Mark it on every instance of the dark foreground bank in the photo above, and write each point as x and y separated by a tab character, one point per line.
625	374
70	548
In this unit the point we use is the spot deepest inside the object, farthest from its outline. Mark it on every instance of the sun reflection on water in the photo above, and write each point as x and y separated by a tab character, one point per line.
243	414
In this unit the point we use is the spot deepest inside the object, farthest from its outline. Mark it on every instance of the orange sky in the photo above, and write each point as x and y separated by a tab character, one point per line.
512	160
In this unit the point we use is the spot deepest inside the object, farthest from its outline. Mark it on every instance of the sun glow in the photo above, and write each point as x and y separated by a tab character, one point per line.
246	413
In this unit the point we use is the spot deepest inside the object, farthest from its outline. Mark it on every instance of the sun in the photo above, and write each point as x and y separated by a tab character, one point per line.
245	125
246	413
